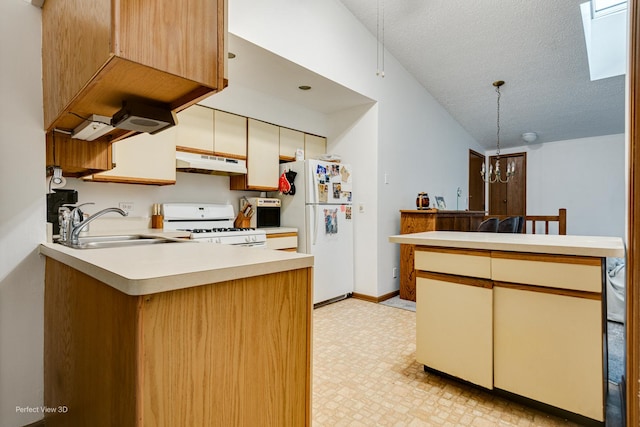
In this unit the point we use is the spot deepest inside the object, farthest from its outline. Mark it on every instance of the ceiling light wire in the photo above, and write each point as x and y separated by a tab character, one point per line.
379	43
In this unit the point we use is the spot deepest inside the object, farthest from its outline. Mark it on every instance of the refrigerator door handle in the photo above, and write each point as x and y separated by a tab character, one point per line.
315	183
315	225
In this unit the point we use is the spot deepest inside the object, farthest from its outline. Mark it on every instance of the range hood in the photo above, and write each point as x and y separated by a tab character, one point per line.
213	165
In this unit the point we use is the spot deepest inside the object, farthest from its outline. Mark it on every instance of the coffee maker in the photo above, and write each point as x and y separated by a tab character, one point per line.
56	199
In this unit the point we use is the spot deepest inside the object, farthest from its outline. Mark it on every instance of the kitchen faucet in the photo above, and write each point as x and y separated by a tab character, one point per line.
74	225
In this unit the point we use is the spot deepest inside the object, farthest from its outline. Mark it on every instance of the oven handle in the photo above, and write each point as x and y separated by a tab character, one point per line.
254	245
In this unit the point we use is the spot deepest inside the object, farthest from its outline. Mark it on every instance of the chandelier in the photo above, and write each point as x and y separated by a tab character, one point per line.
495	174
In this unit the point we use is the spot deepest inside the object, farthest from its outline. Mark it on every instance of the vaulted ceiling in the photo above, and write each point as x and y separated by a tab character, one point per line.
457	48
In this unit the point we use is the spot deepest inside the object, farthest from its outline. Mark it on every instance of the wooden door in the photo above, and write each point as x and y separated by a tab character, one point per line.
476	184
510	198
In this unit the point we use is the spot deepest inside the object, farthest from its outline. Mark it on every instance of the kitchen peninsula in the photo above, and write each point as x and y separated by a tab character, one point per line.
178	334
521	314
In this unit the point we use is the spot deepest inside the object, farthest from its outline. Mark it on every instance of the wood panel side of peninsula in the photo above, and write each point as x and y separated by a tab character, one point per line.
416	221
236	352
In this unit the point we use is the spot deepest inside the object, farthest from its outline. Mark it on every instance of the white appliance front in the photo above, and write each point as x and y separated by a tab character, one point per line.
329	238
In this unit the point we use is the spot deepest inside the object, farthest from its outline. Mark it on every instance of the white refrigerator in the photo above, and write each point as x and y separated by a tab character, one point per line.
321	210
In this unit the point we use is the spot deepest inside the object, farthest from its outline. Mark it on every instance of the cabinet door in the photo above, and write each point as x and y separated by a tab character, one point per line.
143	159
290	141
263	164
314	146
454	327
173	46
548	347
194	132
230	135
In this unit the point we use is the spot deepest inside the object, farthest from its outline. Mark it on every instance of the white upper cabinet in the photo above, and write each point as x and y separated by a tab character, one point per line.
195	130
290	141
230	135
263	165
143	159
314	146
204	130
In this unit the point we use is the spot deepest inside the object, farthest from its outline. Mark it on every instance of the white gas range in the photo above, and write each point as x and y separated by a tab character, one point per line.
207	222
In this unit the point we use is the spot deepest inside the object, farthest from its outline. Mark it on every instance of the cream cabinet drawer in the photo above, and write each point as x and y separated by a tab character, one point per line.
460	262
555	271
287	241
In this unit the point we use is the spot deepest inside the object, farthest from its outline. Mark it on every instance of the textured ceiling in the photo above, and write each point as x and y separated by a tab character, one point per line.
457	48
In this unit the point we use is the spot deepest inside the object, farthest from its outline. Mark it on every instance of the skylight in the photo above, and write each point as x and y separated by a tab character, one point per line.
605	32
601	8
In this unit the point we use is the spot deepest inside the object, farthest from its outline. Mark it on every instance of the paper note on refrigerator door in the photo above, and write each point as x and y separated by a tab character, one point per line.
345	178
323	193
331	221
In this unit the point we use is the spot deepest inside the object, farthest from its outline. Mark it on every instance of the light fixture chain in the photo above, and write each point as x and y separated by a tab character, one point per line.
498	123
493	175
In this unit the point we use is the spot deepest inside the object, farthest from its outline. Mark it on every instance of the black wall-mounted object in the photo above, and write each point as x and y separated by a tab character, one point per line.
59	197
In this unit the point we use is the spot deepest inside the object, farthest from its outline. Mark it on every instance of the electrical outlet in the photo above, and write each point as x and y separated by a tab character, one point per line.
395	272
361	208
126	206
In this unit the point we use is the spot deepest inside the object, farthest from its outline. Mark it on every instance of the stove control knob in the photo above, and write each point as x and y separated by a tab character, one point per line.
254	238
247	239
218	240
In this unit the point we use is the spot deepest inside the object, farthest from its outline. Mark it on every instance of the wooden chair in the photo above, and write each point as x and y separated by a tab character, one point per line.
533	220
509	225
489	225
561	219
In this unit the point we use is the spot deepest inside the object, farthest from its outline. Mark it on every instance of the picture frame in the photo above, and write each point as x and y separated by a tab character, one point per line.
440	203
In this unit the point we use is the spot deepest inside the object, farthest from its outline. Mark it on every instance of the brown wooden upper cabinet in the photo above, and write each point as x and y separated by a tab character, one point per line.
97	54
510	198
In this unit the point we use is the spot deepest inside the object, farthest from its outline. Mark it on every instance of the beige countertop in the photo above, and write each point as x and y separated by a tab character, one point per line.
279	230
596	246
158	268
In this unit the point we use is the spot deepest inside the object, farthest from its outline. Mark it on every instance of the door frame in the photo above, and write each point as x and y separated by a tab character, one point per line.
476	173
632	324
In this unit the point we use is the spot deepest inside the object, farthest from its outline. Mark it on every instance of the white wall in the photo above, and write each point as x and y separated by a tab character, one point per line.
419	146
354	136
586	176
22	213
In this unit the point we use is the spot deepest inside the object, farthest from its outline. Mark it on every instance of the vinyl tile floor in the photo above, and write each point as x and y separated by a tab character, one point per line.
365	374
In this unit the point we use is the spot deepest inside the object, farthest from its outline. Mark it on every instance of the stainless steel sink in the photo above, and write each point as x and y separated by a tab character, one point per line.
116	241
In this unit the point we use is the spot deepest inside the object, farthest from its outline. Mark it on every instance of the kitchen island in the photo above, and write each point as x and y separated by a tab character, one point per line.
415	221
177	334
520	314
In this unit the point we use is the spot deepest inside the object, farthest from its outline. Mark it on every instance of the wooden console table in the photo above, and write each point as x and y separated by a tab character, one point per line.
416	221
